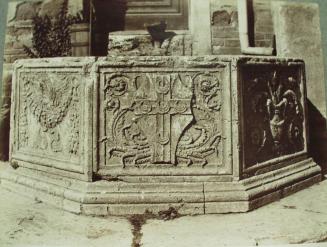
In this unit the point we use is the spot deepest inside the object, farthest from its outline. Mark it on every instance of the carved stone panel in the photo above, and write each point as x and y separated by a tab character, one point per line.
48	127
161	118
220	117
47	102
273	112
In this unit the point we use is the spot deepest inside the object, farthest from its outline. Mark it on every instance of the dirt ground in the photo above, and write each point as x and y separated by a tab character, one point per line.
300	218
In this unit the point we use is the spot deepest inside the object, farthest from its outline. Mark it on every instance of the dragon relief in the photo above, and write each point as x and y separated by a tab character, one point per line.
129	141
276	127
48	98
201	137
151	125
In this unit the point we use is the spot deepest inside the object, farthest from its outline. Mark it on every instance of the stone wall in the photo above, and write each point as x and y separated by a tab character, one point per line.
297	29
224	26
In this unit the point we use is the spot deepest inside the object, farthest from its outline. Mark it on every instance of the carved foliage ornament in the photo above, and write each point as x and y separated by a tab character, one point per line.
162	118
48	99
273	113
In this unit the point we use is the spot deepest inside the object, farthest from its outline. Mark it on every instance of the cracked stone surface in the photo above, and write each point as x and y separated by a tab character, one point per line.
300	218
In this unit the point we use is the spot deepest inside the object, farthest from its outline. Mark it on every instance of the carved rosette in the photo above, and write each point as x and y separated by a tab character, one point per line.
47	100
161	118
273	113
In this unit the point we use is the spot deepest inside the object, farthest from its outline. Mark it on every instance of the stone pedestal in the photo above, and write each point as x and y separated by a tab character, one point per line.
122	135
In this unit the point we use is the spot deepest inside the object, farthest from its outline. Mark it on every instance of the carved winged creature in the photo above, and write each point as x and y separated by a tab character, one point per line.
131	144
127	140
202	136
48	97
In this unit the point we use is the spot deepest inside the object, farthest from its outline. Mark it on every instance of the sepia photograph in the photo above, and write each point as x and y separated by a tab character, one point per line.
160	123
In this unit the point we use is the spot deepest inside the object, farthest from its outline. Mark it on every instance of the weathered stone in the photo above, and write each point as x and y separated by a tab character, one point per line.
51	8
297	28
46	105
199	27
76	8
25	10
159	132
223	18
141	44
222	50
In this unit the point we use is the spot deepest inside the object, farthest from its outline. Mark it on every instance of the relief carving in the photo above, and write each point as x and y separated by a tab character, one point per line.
162	118
274	116
48	99
201	138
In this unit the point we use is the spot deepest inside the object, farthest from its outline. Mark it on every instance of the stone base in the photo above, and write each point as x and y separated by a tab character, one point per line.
125	198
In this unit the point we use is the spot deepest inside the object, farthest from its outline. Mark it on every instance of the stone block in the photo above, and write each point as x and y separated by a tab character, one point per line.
224	50
224	18
218	42
140	44
20	11
95	209
232	43
223	207
201	134
71	206
59	99
226	34
155	209
51	8
297	29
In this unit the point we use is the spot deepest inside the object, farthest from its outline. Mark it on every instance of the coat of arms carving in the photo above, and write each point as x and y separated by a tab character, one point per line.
162	118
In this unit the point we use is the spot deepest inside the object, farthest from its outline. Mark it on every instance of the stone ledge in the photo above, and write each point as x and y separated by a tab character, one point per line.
236	197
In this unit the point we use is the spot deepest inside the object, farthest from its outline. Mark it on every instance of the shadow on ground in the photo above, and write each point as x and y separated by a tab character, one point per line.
318	137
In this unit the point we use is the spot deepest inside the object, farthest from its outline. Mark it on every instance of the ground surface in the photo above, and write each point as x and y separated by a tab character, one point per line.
300	218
